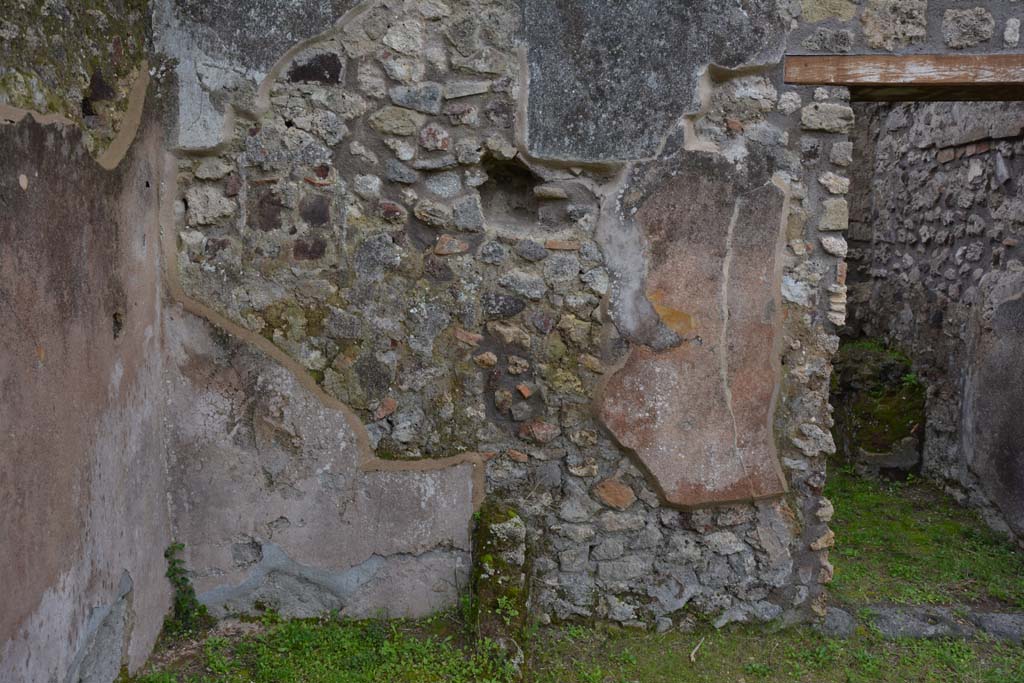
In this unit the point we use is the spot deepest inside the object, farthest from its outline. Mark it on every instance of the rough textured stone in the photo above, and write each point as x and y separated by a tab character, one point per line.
1011	33
893	24
827	116
829	40
615	494
396	121
967	27
423	97
836	216
820	10
835	245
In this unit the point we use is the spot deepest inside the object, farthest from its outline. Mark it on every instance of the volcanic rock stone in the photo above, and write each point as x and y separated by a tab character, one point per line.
423	97
892	24
967	27
638	47
396	121
830	117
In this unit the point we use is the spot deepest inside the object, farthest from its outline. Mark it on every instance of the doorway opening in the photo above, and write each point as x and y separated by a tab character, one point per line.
928	478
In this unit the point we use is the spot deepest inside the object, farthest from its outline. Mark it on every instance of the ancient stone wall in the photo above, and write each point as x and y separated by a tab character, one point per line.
935	258
471	270
585	259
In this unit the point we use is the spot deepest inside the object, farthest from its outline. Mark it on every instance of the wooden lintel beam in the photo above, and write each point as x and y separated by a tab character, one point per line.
913	77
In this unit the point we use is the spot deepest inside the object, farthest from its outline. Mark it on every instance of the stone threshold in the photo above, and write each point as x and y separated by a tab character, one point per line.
925	621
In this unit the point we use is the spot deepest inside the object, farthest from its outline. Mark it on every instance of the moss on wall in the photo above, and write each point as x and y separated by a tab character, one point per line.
879	399
499	572
75	58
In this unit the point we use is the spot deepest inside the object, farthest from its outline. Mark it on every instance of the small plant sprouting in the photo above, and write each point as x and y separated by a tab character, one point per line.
188	615
911	381
506	609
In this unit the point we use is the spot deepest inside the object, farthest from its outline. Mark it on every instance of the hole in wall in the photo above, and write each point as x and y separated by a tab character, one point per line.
326	68
117	324
99	90
507	196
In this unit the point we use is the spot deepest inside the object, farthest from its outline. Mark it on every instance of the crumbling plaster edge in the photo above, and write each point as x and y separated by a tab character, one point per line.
368	460
609	194
112	156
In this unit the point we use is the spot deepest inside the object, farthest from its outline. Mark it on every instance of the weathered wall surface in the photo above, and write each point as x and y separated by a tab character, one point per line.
83	515
385	222
584	258
906	26
935	252
273	505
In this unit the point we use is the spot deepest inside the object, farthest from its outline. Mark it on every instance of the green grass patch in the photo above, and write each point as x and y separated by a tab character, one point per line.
330	650
753	654
907	542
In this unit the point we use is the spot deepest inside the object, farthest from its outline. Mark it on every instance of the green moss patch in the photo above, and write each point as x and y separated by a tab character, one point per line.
499	571
579	654
329	650
879	400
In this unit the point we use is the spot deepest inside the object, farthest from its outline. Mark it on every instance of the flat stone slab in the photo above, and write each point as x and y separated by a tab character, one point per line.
838	623
699	415
917	621
1008	627
920	622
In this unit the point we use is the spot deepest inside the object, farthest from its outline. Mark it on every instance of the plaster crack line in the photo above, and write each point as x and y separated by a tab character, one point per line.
723	355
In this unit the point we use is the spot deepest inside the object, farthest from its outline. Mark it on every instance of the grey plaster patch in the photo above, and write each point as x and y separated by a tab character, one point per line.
100	659
608	80
428	581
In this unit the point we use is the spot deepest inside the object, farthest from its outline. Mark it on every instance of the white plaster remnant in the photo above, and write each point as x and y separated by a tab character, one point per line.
23	181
